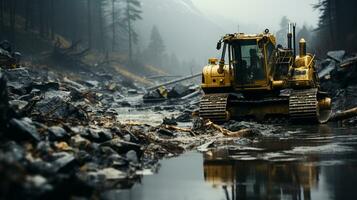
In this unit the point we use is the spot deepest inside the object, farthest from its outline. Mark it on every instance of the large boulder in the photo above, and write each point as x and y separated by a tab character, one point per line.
58	108
336	55
19	81
178	91
23	130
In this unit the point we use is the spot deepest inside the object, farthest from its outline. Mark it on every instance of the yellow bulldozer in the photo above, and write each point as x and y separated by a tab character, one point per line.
257	79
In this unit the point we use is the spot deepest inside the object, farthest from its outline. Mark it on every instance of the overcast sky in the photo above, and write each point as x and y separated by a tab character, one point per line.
261	12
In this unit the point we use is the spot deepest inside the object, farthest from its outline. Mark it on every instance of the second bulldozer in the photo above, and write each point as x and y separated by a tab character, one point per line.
258	80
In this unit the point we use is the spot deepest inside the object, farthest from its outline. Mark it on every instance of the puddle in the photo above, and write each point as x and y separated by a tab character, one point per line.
151	114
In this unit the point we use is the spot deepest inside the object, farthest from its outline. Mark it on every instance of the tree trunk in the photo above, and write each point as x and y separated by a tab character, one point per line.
101	28
42	31
74	28
2	15
27	14
129	30
52	22
331	8
113	20
12	21
339	116
89	18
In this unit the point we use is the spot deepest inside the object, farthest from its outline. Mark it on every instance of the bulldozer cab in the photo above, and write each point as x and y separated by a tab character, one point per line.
248	63
249	58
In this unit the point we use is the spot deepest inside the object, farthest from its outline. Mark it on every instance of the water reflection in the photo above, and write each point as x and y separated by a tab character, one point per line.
261	180
317	162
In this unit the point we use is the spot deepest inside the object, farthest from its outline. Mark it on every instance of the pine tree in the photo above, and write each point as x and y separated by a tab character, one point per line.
156	47
100	4
114	22
132	13
282	33
89	23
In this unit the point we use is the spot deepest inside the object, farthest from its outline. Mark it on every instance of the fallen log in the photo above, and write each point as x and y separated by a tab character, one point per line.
349	62
342	115
193	94
228	133
175	128
174	81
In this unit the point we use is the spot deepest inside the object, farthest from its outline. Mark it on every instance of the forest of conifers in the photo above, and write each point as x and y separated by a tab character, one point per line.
338	25
88	21
106	25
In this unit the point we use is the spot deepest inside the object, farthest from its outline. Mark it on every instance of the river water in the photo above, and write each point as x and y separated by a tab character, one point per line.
300	162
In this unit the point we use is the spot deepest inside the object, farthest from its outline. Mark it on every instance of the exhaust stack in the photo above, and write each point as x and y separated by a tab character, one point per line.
290	36
302	48
221	62
294	38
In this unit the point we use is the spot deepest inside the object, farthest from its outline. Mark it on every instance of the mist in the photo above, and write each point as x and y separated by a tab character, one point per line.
191	28
174	36
260	14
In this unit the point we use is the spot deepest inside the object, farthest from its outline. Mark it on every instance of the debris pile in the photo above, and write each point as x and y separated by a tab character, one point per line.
338	70
337	75
59	132
8	57
177	92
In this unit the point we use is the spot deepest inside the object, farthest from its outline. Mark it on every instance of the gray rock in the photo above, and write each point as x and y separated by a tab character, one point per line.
46	86
19	80
58	108
336	55
23	129
18	104
42	167
13	151
132	156
108	174
37	180
83	157
79	142
64	163
185	117
98	135
328	69
92	83
127	137
169	121
117	161
153	96
35	92
164	131
179	90
57	133
132	91
125	104
44	148
121	146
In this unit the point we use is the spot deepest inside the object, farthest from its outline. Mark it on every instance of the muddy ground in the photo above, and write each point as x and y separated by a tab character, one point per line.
75	134
63	133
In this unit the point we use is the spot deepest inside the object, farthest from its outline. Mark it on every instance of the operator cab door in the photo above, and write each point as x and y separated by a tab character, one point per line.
248	64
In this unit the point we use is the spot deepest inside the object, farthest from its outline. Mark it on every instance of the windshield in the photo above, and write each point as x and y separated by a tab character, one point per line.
248	62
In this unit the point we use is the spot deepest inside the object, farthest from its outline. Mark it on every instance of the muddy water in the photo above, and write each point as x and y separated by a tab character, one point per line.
306	162
151	114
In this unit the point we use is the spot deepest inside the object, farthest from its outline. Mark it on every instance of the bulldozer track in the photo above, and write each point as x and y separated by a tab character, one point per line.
214	107
303	105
